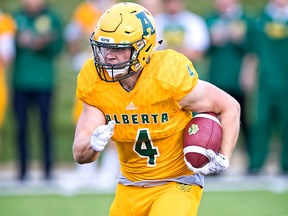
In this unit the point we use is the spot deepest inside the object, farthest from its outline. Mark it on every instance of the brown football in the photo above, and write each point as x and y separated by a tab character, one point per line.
202	132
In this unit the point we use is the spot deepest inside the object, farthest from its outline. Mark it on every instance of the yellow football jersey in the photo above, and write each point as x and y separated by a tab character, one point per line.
149	120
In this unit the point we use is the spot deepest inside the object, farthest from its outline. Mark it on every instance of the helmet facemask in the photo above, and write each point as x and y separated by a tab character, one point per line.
119	71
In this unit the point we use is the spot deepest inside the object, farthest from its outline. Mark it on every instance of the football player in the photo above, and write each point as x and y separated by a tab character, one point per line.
7	51
142	99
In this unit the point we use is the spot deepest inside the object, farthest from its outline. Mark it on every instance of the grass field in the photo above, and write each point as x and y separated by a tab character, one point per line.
244	203
253	203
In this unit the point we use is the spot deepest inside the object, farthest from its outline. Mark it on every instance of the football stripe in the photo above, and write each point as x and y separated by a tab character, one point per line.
195	149
204	115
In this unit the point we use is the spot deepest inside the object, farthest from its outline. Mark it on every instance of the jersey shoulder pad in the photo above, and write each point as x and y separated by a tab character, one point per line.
171	67
172	71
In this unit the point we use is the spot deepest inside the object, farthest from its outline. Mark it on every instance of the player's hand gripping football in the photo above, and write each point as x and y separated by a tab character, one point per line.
217	163
101	136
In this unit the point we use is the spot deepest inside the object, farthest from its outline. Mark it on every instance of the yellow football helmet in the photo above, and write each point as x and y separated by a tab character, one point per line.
124	25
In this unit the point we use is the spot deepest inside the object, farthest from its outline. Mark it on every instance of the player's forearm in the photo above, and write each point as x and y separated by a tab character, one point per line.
82	150
230	122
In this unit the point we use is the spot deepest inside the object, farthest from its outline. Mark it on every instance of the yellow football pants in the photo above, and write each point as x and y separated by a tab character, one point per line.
172	199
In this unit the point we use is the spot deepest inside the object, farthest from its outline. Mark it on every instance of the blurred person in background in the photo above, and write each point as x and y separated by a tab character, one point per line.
38	43
84	18
82	23
230	64
7	51
182	30
80	27
269	40
154	6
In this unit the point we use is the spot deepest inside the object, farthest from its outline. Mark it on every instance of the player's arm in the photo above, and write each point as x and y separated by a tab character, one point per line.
90	119
206	97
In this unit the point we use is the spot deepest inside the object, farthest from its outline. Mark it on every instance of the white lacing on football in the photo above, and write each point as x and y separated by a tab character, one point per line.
205	115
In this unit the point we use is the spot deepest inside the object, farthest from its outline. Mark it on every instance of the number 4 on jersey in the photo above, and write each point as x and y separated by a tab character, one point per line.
144	147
